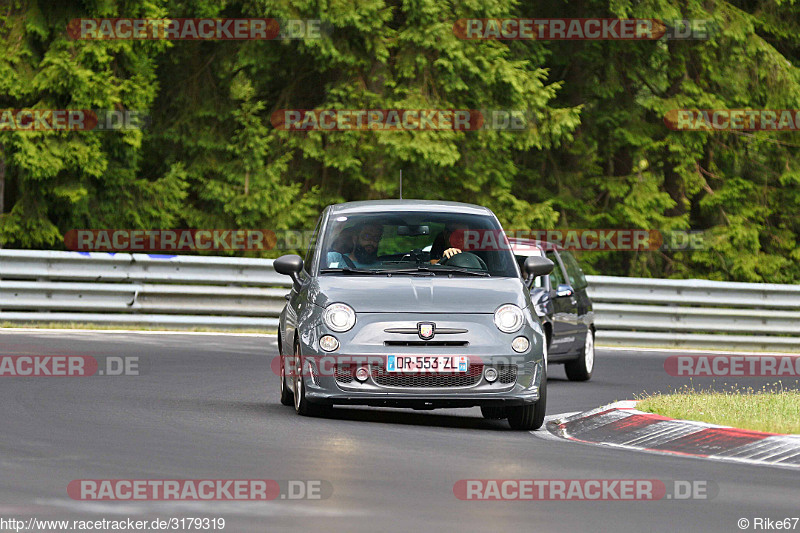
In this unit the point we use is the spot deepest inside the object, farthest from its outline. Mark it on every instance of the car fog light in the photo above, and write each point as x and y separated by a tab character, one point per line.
490	374
520	344
362	374
328	343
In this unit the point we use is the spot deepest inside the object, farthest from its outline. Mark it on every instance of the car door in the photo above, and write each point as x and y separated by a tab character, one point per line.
565	309
577	280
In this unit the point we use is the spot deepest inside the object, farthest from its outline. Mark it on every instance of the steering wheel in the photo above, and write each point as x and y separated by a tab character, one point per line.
464	260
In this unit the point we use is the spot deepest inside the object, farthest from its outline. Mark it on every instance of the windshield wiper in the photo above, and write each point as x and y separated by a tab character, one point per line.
348	270
452	269
412	271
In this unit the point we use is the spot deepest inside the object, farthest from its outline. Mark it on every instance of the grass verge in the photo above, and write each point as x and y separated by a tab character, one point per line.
773	408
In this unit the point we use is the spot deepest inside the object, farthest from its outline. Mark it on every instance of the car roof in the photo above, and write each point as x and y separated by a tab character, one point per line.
544	245
376	206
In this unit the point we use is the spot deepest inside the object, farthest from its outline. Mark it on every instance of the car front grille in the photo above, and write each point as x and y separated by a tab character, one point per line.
425	343
507	374
344	373
428	380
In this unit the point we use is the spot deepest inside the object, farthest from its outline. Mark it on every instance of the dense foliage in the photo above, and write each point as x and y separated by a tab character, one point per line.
600	155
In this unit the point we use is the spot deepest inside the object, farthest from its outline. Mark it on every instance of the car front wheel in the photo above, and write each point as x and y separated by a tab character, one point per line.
528	417
287	398
301	404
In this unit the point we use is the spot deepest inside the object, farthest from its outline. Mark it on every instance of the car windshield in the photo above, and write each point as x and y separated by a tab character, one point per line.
415	243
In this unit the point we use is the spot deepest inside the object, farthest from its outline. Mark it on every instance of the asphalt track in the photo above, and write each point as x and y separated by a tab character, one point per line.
207	407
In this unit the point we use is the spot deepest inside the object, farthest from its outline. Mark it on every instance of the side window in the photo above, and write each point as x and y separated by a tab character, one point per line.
556	277
576	277
310	254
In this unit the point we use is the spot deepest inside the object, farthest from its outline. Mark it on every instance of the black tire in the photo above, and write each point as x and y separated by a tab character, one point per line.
492	412
301	405
287	397
581	368
531	416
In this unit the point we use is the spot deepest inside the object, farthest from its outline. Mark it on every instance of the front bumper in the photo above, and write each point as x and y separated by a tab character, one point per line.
422	401
482	343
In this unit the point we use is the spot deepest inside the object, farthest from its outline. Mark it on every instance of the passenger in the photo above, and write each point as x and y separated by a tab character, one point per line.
365	248
345	241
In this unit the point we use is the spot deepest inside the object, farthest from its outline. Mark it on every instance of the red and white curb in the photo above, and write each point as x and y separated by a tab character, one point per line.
622	426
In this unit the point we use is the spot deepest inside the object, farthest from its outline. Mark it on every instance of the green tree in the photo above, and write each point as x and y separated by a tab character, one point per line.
56	181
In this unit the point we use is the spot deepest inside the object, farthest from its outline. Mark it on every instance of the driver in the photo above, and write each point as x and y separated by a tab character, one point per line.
365	248
449	242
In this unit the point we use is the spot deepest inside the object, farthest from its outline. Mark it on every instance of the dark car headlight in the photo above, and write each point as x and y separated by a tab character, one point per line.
339	317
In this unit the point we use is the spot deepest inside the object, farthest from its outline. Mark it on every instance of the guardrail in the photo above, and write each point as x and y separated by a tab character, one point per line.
191	291
101	288
696	313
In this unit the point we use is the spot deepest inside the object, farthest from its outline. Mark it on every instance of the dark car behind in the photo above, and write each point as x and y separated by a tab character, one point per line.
563	303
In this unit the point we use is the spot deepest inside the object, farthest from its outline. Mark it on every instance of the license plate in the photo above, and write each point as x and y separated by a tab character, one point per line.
427	363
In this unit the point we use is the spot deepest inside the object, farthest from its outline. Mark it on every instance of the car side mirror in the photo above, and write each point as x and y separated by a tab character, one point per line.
564	291
289	265
536	266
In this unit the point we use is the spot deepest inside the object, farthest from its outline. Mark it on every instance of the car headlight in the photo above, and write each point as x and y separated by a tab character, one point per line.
339	317
508	318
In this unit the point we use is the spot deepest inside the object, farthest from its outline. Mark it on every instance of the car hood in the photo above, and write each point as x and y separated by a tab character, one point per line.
414	294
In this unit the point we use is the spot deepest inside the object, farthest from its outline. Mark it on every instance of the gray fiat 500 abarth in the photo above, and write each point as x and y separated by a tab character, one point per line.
390	309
